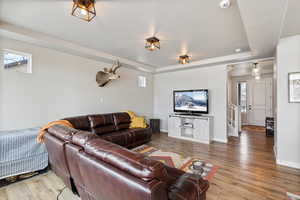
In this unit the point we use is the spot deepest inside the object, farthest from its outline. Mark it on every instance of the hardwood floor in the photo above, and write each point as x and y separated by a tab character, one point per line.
247	171
251	128
247	167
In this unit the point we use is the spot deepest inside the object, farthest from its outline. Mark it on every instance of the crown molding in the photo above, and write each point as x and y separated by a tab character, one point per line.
207	62
44	40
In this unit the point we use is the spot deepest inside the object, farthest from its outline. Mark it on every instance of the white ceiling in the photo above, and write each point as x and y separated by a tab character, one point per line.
197	27
263	20
291	25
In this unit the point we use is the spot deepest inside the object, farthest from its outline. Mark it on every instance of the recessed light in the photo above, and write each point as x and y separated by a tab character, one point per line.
225	4
238	50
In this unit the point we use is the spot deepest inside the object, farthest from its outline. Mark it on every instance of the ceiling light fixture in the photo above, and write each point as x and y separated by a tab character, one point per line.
84	9
152	43
184	59
225	4
255	68
256	71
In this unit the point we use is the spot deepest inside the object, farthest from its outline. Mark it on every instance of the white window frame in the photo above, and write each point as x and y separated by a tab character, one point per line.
142	81
29	63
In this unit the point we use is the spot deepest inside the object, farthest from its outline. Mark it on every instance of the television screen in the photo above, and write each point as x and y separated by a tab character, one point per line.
191	101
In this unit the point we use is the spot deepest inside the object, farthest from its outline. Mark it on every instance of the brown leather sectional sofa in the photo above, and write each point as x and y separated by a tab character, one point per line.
92	162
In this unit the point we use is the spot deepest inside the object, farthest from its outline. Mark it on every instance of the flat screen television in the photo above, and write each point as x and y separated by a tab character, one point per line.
191	101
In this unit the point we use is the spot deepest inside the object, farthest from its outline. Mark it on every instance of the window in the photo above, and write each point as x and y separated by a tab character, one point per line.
142	81
17	61
242	96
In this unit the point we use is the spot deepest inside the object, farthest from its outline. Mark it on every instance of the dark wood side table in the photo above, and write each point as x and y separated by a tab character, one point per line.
155	125
270	126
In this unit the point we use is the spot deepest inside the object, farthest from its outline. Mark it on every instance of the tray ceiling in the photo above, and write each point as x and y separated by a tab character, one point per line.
197	27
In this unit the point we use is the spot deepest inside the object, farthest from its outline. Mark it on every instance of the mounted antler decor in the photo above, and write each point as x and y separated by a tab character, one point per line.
105	76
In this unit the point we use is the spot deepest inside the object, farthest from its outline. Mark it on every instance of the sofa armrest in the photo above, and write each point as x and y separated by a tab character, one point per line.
189	187
62	132
134	163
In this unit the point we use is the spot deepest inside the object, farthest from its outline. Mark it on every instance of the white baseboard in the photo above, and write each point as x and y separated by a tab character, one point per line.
288	164
164	130
220	140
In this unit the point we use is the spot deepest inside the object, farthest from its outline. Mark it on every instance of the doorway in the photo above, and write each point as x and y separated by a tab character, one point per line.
250	97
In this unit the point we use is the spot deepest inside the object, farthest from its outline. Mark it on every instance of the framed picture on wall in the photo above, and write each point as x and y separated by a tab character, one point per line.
294	87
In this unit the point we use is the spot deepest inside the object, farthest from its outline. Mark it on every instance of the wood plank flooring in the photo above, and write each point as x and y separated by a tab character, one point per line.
247	171
247	167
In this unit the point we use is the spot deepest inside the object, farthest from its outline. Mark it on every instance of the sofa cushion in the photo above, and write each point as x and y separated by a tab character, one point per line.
122	120
80	122
140	134
101	124
128	137
122	138
134	163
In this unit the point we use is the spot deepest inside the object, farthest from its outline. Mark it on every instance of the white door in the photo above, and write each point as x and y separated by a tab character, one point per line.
257	102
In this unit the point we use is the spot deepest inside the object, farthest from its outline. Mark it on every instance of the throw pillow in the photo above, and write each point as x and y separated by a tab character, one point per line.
138	122
131	114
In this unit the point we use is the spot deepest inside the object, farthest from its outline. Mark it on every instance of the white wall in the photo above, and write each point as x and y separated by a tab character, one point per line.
288	114
275	104
212	78
64	85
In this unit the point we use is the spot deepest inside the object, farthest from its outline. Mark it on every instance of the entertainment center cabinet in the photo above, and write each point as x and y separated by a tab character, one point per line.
191	127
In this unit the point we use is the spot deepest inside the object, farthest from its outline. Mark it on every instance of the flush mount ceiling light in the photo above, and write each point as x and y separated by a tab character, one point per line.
225	4
84	9
152	43
184	59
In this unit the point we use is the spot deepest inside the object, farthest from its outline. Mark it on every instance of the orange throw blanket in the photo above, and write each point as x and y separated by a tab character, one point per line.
40	137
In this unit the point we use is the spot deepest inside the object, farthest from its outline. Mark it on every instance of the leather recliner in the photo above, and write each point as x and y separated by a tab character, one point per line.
96	168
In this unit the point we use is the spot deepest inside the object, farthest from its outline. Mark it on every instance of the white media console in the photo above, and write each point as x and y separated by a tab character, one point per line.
191	127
